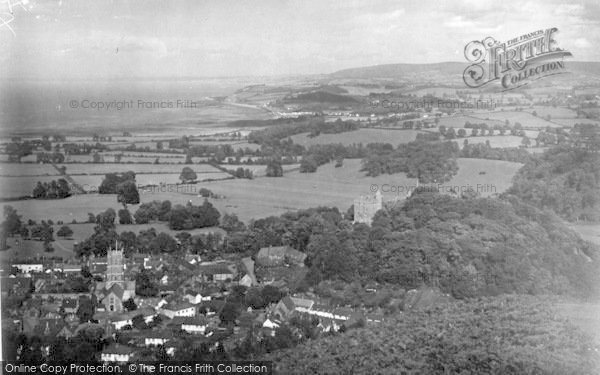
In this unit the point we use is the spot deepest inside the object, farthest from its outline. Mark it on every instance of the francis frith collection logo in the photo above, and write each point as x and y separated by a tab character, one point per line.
514	63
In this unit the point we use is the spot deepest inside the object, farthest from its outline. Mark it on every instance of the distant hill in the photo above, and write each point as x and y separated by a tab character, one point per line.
443	68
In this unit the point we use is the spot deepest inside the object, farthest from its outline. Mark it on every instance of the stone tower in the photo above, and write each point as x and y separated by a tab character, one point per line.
114	267
366	206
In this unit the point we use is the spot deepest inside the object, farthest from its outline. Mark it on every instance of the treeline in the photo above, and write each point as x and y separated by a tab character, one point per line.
179	217
273	135
122	184
466	246
563	179
55	189
148	241
428	162
485	151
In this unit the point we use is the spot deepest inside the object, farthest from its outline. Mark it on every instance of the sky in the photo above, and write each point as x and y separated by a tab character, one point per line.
103	39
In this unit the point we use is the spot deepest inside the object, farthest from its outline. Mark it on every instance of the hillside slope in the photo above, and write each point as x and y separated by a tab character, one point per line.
500	335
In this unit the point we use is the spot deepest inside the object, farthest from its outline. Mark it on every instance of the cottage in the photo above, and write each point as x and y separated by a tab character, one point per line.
197	324
196	298
117	353
157	338
179	309
274	256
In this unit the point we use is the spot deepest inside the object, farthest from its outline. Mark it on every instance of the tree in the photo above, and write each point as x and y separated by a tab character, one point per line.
308	164
231	223
462	133
125	217
12	221
144	286
274	168
128	193
64	231
188	175
85	311
229	313
525	141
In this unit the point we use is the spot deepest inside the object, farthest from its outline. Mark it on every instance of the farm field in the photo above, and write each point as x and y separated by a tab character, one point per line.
27	169
101	169
363	136
92	182
495	140
526	119
573	121
338	187
554	112
259	170
459	121
491	176
14	187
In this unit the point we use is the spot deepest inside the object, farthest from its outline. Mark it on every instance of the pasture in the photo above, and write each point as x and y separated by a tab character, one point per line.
363	136
265	196
526	119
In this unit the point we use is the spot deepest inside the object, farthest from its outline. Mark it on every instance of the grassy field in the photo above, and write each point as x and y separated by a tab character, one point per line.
554	112
14	187
495	140
21	169
488	177
526	119
101	169
359	136
459	121
573	121
589	232
261	197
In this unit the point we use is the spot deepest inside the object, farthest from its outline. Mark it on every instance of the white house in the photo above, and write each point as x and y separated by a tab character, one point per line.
29	267
116	353
194	325
196	299
179	309
157	338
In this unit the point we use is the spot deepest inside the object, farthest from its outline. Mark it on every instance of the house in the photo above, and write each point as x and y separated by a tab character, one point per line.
117	353
178	309
157	338
270	324
15	285
274	256
126	319
197	324
29	267
69	305
216	272
246	281
197	298
284	308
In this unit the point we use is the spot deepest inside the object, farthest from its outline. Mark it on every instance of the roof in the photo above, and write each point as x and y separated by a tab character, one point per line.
288	302
276	254
117	290
177	306
302	302
188	320
118	349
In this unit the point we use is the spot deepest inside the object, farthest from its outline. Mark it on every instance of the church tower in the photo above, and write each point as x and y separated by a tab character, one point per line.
114	267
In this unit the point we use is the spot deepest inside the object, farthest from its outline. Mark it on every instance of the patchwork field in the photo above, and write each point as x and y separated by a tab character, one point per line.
15	187
495	140
101	169
459	121
262	197
526	119
363	136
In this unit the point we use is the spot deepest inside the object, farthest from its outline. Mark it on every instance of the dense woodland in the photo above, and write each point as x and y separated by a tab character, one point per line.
506	335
